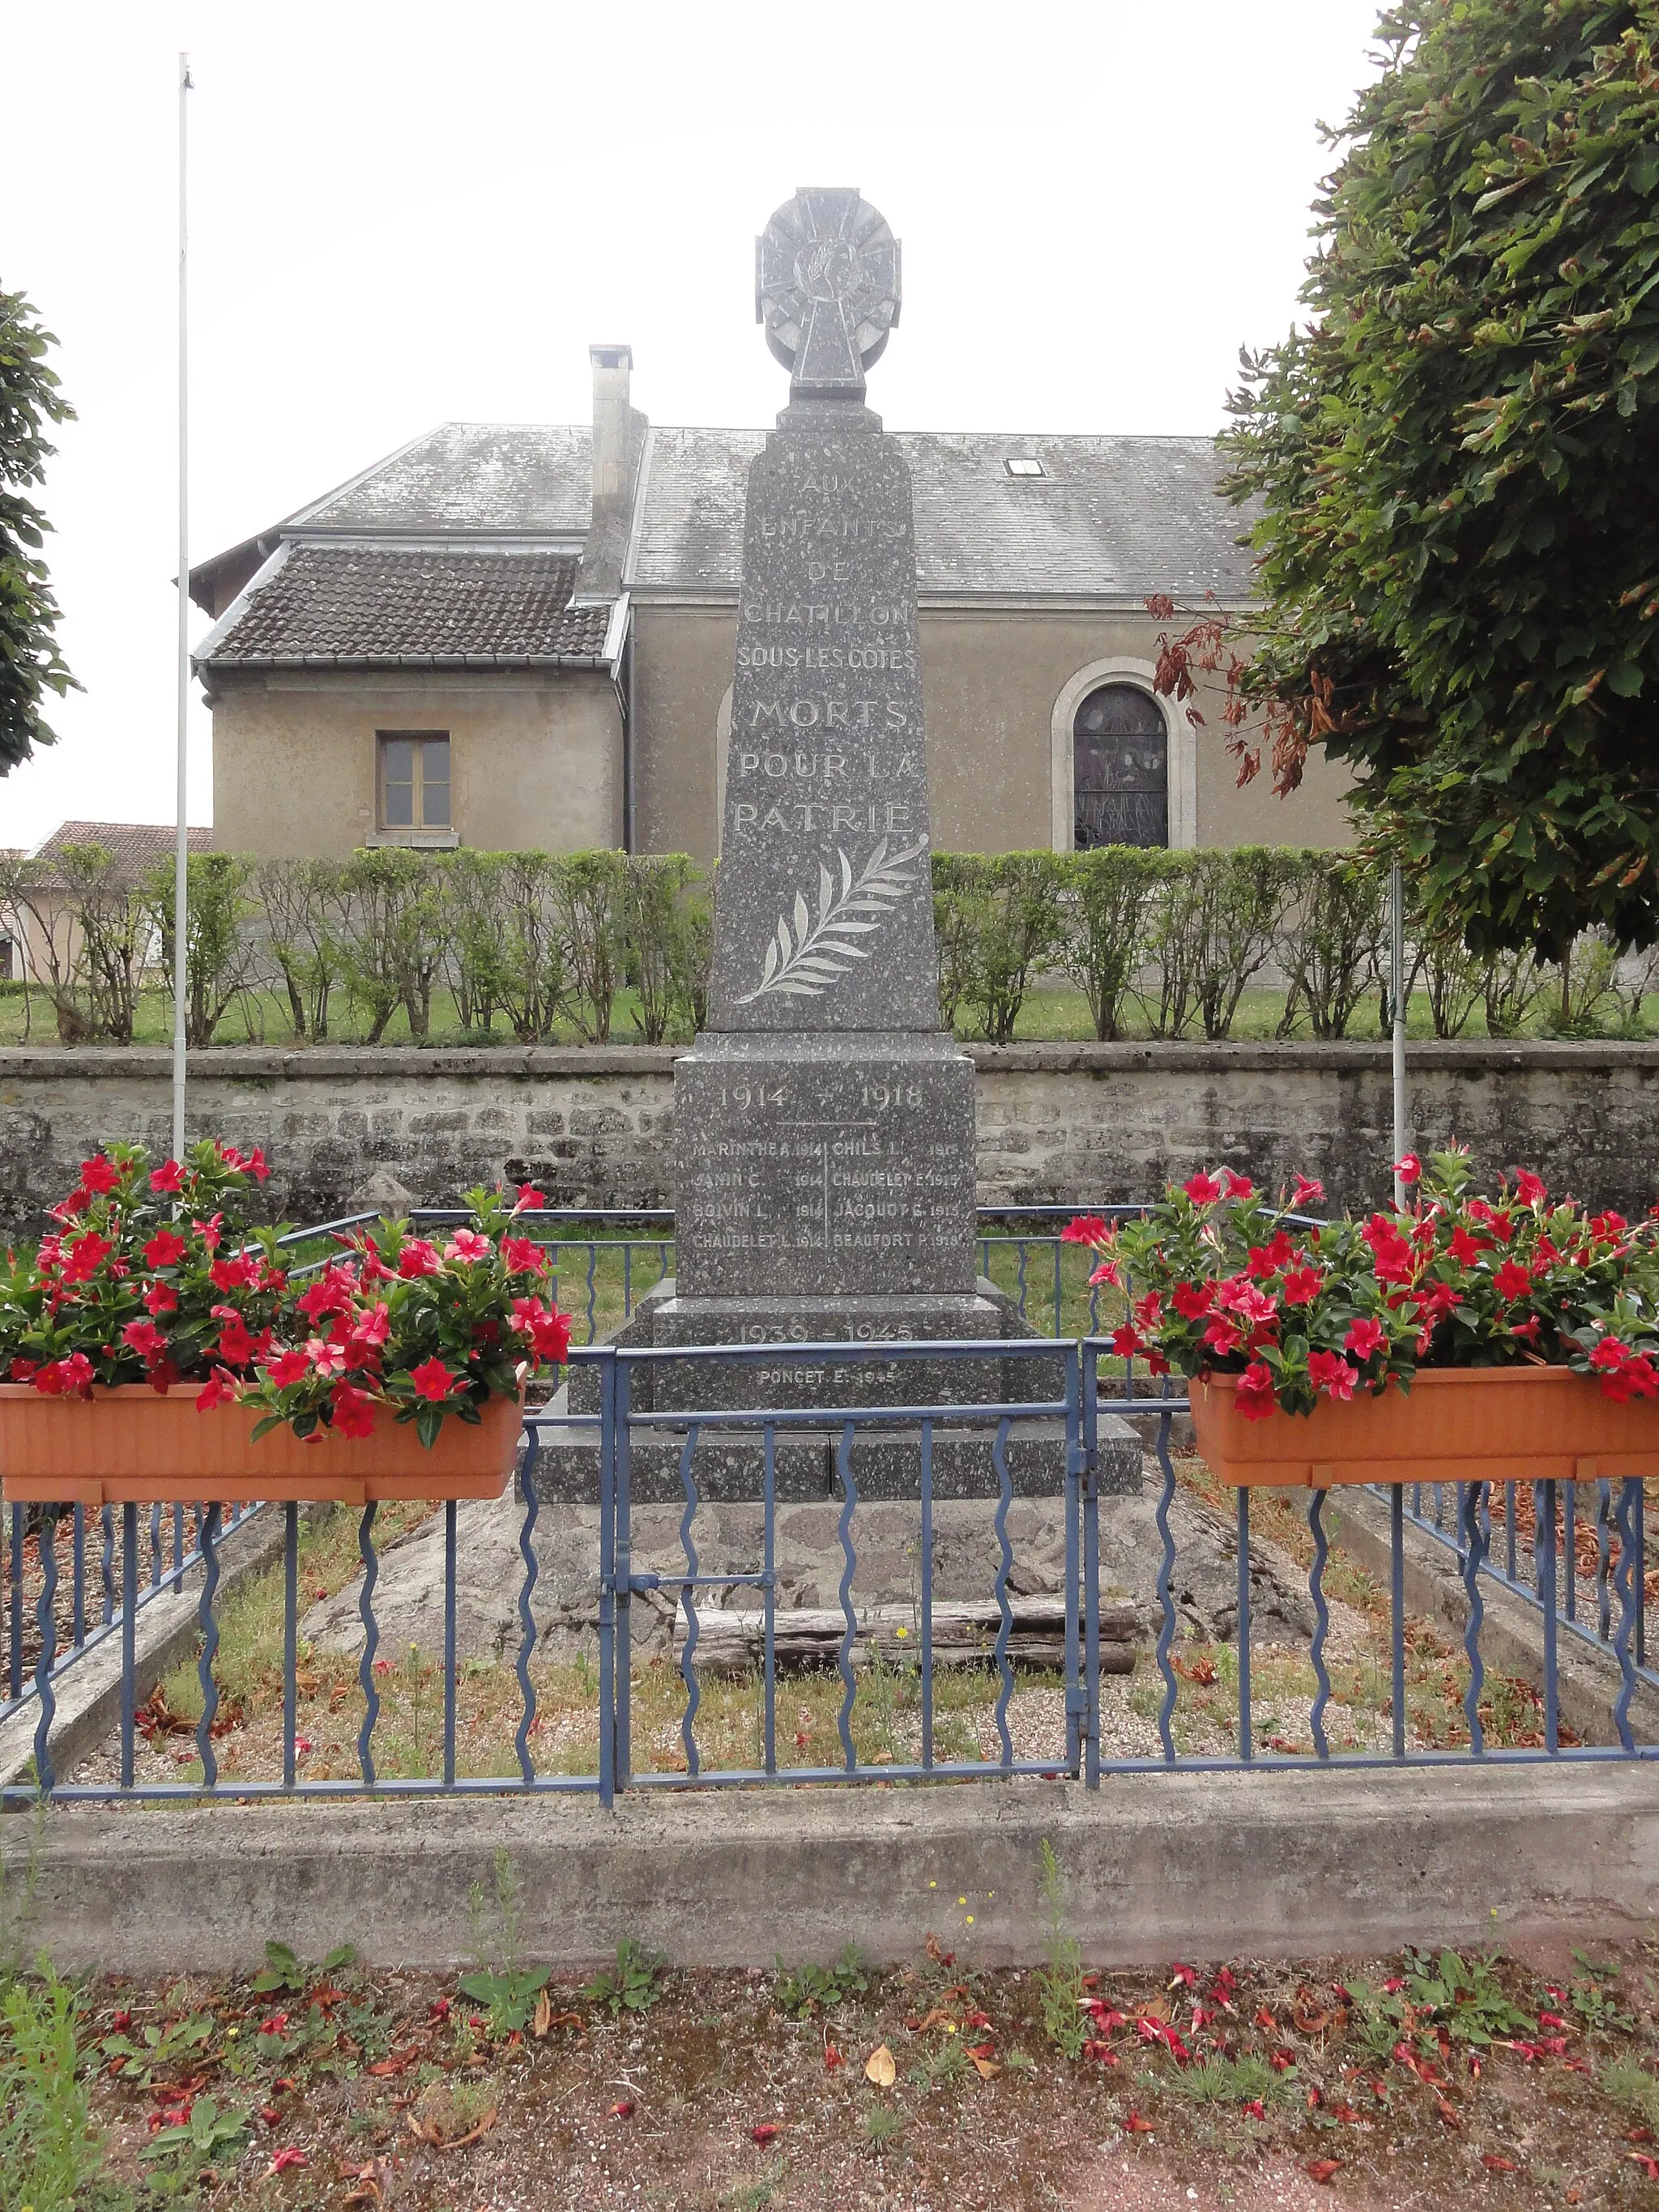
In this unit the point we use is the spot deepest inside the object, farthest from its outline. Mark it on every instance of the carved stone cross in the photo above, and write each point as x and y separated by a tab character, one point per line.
827	289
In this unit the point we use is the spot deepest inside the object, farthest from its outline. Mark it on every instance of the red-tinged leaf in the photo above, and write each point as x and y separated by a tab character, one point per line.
1282	2061
764	2132
1323	2169
1550	2019
1135	2125
977	2020
1640	2136
1648	2166
832	2058
284	2082
439	2008
1447	2111
985	2049
285	2159
1182	1978
1256	2110
270	2115
1343	2112
1495	2163
622	2112
1102	2053
1264	2019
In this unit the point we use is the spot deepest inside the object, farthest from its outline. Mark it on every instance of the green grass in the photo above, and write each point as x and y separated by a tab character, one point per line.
51	2156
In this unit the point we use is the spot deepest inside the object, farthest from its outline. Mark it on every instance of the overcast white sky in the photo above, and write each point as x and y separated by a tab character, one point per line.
403	213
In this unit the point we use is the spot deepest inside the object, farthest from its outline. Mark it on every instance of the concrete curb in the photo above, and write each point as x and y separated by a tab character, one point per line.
1156	1866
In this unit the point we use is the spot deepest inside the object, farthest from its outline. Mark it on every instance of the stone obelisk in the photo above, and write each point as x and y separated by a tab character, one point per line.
824	1121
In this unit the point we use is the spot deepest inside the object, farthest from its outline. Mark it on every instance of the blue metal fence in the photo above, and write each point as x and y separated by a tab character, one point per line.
1089	1384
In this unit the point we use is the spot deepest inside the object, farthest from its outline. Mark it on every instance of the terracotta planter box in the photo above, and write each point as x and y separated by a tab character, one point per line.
1456	1425
133	1446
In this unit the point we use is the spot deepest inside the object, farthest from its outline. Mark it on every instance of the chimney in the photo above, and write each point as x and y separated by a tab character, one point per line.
613	367
618	434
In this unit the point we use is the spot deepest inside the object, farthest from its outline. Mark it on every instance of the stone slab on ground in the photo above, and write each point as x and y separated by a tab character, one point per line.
1194	1866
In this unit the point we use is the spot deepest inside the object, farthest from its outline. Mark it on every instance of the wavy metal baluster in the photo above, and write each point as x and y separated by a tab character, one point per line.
1603	1552
290	1642
78	1526
1321	1621
15	1592
1166	1610
844	1469
155	1547
592	1290
687	1599
371	1644
45	1619
1246	1725
532	1506
1474	1559
1058	1248
628	1282
1543	1559
450	1533
1005	1499
205	1614
1570	1546
106	1562
1624	1578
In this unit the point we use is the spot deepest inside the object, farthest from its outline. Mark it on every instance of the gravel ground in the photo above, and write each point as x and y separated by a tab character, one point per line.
932	2086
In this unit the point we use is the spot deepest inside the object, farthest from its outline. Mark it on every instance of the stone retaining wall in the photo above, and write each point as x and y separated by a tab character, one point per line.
1062	1123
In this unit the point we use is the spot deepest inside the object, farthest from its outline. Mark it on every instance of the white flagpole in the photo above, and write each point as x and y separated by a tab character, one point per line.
1397	994
181	848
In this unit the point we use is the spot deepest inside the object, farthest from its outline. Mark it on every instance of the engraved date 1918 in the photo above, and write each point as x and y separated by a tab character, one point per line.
875	1097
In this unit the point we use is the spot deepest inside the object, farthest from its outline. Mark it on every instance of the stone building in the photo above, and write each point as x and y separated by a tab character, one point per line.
522	636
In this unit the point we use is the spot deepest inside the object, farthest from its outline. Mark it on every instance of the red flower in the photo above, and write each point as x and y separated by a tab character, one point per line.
160	1298
66	1378
1106	1271
1363	1338
167	1180
1203	1189
99	1174
1409	1169
24	1371
1528	1188
239	1272
220	1389
1463	1248
466	1245
1307	1190
1222	1336
1236	1186
84	1255
288	1367
210	1230
530	1199
418	1258
145	1338
1088	1229
1267	1260
165	1249
1330	1373
327	1358
432	1380
332	1293
1127	1341
522	1256
372	1328
1192	1301
1253	1395
1511	1281
235	1345
1391	1253
1300	1286
255	1164
1607	1224
352	1411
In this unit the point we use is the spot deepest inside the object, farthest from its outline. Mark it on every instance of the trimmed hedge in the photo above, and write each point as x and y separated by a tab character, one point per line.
543	942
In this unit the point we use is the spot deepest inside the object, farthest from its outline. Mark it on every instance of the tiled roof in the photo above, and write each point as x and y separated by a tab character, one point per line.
1115	518
135	846
537	477
396	605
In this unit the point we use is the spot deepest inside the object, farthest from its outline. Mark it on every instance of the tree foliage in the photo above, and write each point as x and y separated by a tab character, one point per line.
1456	460
30	663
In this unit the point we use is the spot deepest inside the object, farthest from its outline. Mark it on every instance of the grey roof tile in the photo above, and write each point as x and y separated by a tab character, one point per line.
395	605
1111	517
135	846
535	477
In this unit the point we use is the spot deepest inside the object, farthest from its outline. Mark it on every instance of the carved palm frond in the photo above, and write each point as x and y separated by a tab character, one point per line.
807	955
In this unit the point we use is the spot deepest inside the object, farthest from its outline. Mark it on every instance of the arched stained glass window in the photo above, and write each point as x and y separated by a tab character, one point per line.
1119	770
